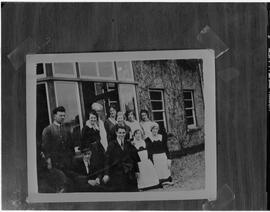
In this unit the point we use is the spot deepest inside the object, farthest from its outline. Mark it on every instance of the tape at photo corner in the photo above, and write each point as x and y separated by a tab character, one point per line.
210	40
225	196
28	46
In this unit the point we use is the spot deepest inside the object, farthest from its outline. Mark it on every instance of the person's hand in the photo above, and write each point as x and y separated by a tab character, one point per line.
98	181
49	163
169	162
105	179
92	182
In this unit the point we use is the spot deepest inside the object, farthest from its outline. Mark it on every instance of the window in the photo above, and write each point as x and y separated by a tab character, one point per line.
124	70
105	82
189	108
97	70
40	70
67	95
64	69
157	106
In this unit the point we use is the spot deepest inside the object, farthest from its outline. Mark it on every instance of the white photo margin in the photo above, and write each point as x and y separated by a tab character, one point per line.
208	58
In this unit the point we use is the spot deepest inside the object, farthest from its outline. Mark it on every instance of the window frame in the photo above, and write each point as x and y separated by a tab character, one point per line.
194	125
163	105
48	100
40	76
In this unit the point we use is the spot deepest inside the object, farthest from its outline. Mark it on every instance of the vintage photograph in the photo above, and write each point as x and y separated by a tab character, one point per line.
121	126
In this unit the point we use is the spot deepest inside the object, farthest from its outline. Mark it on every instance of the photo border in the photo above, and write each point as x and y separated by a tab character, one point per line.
208	58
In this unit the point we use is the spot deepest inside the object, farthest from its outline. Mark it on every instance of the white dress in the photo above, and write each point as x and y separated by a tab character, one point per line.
147	174
146	125
160	159
135	125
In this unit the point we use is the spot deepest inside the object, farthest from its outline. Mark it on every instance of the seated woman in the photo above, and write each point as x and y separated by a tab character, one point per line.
120	122
110	122
132	122
156	145
90	132
147	178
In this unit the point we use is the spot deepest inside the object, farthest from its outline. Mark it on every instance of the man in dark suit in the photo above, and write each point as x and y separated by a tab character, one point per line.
90	169
121	169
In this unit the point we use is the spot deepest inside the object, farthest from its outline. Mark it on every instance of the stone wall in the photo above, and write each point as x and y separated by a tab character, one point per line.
171	76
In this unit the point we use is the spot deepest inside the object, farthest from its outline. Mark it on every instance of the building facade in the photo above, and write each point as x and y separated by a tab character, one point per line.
171	90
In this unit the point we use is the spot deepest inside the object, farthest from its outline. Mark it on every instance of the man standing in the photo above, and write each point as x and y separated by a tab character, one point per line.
57	144
103	135
121	168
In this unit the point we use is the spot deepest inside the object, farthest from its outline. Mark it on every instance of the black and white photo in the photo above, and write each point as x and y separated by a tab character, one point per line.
121	126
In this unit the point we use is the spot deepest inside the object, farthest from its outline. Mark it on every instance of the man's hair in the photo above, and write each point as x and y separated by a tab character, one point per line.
117	127
58	109
144	111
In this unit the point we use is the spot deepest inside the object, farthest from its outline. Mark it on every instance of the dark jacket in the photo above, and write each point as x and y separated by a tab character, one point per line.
121	166
89	135
97	163
57	145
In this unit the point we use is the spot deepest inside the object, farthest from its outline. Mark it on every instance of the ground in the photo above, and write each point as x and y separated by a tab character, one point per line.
188	173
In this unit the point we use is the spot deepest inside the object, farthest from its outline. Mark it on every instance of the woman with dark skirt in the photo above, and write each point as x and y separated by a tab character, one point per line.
147	178
90	132
156	145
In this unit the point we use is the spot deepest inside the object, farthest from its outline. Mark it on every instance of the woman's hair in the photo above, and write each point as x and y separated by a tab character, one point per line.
136	132
155	124
120	113
93	112
128	112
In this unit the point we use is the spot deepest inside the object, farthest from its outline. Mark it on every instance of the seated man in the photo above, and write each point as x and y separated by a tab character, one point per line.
90	169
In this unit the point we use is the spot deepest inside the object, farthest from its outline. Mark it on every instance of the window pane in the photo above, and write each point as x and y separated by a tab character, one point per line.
106	69
127	97
67	96
187	95
42	119
157	105
40	69
190	121
64	68
124	71
155	95
48	67
189	112
188	103
88	69
158	115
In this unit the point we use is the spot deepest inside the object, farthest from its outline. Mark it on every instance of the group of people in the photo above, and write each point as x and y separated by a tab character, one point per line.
118	154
